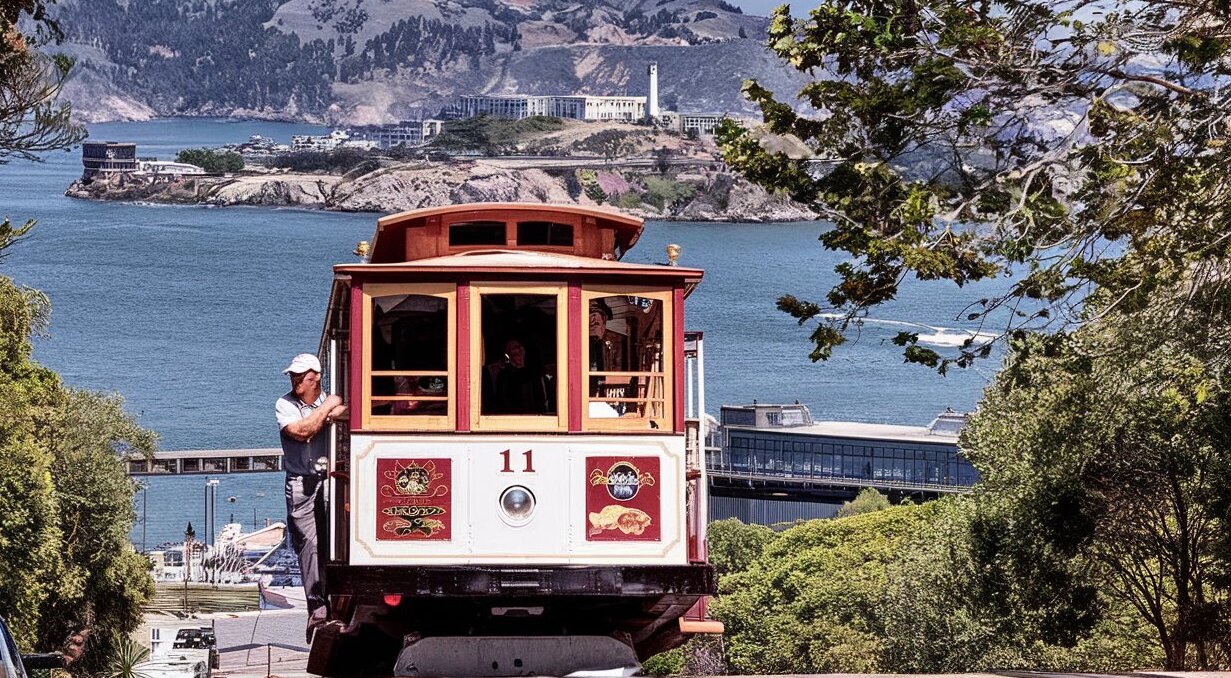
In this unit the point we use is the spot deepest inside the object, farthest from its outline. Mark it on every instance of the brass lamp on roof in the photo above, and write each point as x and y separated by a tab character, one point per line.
362	249
673	254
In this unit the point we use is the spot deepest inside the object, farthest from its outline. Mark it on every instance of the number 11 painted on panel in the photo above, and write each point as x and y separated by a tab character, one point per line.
508	465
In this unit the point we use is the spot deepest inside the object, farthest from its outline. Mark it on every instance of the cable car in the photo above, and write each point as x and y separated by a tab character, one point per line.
520	488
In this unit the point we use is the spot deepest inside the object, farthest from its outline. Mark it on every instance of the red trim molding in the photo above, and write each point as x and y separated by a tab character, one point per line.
575	322
461	389
356	354
678	343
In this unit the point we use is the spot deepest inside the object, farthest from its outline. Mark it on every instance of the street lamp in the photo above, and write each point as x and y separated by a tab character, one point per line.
211	522
189	534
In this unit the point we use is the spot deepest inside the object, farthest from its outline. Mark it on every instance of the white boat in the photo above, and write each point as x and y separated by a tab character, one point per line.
236	557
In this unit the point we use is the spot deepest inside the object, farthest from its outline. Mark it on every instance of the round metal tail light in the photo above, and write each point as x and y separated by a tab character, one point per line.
517	503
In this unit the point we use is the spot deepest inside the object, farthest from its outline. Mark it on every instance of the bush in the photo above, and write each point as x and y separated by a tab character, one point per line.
628	200
341	160
589	183
664	193
493	136
211	160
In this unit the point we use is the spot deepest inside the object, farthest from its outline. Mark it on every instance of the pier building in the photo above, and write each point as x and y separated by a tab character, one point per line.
405	133
773	463
107	157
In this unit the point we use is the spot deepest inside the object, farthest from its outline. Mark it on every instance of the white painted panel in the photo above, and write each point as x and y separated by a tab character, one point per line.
556	534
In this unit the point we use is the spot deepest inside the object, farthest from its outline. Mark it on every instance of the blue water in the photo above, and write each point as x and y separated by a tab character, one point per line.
190	313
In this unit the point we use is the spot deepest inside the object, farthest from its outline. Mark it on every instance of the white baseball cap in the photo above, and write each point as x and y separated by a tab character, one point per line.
304	362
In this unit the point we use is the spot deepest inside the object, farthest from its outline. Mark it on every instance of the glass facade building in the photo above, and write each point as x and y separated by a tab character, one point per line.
773	463
869	462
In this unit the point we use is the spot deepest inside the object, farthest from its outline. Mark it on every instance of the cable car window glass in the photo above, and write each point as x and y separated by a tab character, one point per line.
548	233
519	349
472	233
628	370
409	353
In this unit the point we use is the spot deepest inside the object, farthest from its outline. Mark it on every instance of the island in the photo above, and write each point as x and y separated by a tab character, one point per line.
637	169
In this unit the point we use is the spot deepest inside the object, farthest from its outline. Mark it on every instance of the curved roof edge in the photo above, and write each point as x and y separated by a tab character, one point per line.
628	228
471	206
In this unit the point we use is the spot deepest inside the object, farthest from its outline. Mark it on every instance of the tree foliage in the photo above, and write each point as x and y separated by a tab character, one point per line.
69	578
867	501
734	546
809	603
492	136
32	118
1081	149
211	160
1119	450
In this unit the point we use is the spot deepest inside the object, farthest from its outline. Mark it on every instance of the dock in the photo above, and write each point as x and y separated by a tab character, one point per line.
188	462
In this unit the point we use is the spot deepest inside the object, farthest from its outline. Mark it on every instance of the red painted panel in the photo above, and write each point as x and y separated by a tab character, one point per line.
413	502
680	375
623	501
357	389
462	389
575	323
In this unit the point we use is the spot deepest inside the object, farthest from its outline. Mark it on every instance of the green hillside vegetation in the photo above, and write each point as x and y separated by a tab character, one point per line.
211	160
493	136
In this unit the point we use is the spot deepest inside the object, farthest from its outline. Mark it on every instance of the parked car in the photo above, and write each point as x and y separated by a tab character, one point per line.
13	664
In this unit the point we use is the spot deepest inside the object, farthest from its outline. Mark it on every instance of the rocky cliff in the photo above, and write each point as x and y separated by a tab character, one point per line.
372	61
695	194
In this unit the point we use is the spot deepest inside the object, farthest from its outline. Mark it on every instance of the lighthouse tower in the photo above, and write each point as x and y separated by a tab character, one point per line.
651	108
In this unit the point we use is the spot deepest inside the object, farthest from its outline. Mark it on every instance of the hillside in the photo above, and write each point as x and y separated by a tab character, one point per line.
371	61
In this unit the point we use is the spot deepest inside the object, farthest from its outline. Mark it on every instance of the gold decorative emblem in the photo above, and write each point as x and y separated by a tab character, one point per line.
413	480
623	518
623	480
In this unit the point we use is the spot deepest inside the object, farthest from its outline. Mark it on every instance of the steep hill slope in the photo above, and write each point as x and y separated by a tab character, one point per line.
367	61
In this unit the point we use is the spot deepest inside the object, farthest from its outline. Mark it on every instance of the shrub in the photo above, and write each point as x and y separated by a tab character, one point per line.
664	193
628	200
211	160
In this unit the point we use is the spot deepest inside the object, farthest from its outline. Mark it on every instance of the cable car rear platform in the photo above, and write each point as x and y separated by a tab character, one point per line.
533	611
628	580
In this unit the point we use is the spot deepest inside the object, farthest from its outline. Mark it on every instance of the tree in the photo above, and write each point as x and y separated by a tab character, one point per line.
211	160
1082	151
809	603
734	546
979	590
1117	450
867	501
32	119
69	579
68	575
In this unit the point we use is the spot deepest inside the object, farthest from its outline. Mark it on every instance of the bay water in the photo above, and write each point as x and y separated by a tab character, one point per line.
190	314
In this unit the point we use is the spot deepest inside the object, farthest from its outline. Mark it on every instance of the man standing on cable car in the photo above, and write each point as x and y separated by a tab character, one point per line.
303	413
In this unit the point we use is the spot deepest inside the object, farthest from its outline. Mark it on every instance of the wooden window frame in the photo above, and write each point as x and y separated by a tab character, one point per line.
665	295
480	422
445	422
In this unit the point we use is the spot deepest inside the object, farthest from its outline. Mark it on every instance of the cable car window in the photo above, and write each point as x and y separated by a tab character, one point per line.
547	233
409	355
471	233
519	354
627	370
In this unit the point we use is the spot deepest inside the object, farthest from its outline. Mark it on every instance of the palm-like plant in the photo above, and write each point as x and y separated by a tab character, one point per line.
129	654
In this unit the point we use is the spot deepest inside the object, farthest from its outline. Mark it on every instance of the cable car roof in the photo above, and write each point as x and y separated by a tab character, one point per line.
423	233
500	260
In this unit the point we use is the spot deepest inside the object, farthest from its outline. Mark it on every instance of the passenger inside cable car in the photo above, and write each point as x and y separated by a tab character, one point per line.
625	357
520	344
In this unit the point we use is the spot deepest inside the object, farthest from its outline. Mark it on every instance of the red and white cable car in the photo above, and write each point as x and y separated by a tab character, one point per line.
520	489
